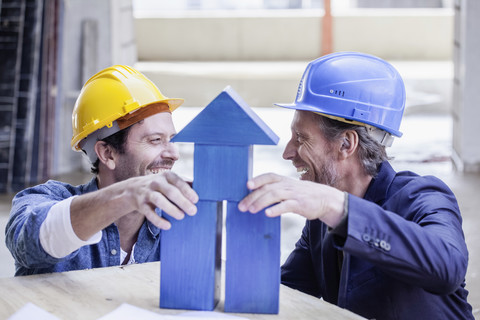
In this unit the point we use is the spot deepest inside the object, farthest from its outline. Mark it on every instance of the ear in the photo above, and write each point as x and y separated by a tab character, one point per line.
106	154
349	144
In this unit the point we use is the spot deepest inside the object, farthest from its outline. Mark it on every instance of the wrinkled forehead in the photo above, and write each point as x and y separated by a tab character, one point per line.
304	120
160	123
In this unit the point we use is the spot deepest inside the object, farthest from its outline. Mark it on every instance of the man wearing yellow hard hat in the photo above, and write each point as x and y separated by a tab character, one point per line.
123	123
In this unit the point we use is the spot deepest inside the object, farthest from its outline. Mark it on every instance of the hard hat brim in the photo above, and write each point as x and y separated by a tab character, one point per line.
173	103
306	107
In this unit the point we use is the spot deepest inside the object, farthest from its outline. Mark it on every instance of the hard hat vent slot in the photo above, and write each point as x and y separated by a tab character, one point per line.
340	93
300	90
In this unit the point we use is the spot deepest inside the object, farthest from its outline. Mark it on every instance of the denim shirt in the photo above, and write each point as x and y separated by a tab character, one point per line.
404	255
30	208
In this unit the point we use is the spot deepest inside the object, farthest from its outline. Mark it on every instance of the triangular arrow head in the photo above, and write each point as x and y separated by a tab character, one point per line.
227	120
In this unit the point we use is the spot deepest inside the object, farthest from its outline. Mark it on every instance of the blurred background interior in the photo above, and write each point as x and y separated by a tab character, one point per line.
194	48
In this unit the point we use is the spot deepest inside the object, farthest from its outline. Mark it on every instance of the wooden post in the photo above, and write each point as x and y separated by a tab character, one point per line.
191	260
252	280
218	169
327	32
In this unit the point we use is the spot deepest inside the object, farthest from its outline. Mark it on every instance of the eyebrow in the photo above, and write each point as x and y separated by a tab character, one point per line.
149	134
156	133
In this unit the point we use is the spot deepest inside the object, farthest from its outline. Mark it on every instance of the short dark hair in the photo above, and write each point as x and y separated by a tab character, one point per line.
118	140
370	152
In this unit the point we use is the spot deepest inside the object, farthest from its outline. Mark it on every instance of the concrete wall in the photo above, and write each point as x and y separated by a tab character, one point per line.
466	110
412	34
262	54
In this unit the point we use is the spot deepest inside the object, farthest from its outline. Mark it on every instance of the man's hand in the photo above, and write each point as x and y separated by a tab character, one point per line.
167	192
94	211
309	199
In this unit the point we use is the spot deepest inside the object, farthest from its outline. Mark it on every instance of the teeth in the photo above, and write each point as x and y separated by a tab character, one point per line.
302	170
156	171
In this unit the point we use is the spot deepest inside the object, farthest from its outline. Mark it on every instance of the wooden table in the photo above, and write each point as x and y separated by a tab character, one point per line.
90	294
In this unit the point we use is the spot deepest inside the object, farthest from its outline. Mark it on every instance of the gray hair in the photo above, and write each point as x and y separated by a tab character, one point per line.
371	153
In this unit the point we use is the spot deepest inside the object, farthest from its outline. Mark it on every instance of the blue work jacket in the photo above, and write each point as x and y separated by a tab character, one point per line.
404	255
29	210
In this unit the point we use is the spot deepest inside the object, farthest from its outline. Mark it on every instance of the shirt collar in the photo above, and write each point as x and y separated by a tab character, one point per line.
154	231
91	185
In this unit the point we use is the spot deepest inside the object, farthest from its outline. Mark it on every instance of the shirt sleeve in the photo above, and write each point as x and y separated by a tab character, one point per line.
57	236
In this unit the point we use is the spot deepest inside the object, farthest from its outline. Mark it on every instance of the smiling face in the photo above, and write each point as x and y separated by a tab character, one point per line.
148	149
310	152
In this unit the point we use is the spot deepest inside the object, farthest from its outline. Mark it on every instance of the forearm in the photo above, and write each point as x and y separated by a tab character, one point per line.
96	210
337	208
92	212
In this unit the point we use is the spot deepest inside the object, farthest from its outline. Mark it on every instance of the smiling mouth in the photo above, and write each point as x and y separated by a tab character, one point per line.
157	170
302	170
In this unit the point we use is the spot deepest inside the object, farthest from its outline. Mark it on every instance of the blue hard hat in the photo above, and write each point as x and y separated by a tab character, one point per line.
355	88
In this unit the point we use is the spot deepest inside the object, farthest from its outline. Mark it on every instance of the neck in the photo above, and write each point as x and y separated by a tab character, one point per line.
128	227
355	181
104	180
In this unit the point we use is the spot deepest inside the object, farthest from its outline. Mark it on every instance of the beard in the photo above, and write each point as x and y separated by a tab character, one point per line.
327	174
125	170
129	168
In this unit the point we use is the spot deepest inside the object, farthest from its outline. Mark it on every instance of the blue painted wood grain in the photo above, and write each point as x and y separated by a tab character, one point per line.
223	133
252	280
191	260
227	120
221	172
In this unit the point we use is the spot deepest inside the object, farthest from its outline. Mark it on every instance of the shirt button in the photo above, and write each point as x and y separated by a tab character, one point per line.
366	237
113	252
385	245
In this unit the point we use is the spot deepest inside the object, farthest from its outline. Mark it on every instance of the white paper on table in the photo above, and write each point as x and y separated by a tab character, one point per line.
210	315
32	311
128	311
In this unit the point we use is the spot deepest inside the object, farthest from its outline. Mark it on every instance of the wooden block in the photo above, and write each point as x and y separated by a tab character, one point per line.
252	280
227	120
221	172
191	260
223	133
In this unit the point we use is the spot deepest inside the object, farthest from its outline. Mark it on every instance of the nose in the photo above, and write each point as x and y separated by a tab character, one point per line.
290	150
171	152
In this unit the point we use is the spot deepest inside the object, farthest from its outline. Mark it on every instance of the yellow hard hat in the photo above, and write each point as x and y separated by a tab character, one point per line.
111	94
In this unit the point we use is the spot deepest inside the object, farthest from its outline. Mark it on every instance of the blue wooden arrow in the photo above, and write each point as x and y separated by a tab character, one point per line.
227	120
224	134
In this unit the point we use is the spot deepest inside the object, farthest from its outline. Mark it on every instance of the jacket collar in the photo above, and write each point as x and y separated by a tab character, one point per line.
378	188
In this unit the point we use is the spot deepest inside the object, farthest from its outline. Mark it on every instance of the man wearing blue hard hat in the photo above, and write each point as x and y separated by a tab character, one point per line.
383	244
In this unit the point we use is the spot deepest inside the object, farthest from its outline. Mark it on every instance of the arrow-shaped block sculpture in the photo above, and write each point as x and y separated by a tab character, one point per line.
224	134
